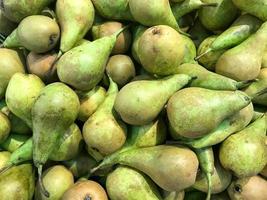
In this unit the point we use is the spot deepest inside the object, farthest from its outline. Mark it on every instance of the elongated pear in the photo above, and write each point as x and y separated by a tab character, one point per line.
117	10
52	114
102	132
194	112
207	79
75	19
237	63
17	10
140	102
22	92
5	127
127	183
247	146
83	67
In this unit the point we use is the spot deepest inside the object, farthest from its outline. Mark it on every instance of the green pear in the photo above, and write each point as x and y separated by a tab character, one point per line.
75	19
249	188
5	127
13	142
138	31
161	49
237	63
246	146
22	92
102	132
108	28
36	33
194	112
253	7
4	157
207	79
173	168
140	102
10	63
127	183
121	69
218	17
190	50
6	26
52	114
83	67
117	10
57	180
17	10
174	195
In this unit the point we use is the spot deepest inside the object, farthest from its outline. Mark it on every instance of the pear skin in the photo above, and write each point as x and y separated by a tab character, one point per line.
5	127
13	142
6	26
4	157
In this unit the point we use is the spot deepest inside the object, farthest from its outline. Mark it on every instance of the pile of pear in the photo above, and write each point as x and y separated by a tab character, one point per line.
133	100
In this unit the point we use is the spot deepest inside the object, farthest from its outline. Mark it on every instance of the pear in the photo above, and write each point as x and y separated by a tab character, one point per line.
81	42
57	180
4	157
254	7
42	65
190	50
86	189
75	19
248	145
207	79
263	74
174	195
173	168
36	33
121	69
10	63
236	63
264	59
6	26
52	114
13	142
161	50
83	67
220	180
218	17
17	183
138	31
127	183
140	102
117	10
22	92
102	132
17	10
90	101
249	188
108	28
5	127
194	112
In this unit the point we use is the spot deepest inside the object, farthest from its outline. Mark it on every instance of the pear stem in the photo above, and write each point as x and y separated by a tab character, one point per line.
6	168
49	13
40	181
121	30
203	54
209	186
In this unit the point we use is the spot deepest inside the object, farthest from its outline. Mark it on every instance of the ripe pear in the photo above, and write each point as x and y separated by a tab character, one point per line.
10	63
21	94
249	188
246	146
237	63
6	26
121	69
4	157
128	183
57	180
90	101
102	132
75	19
218	17
194	112
140	102
5	127
13	142
108	28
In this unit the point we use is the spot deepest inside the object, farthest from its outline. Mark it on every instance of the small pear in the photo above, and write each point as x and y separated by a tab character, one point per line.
121	69
108	28
102	132
85	189
138	31
56	180
22	92
249	188
75	19
13	142
191	111
237	63
5	127
246	146
10	63
4	157
127	183
140	102
6	26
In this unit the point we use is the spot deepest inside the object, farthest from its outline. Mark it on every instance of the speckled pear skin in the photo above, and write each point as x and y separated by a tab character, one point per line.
75	19
245	152
194	112
128	183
